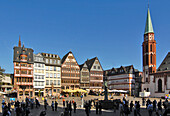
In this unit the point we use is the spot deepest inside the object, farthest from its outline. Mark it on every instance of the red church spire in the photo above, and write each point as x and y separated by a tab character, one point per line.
19	43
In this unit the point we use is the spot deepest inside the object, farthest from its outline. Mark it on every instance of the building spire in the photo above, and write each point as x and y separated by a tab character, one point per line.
19	43
148	26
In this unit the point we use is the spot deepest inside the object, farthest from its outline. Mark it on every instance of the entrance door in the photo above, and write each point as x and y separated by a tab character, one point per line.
159	85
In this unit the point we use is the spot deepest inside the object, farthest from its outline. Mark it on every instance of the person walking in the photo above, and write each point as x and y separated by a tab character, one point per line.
97	108
131	106
86	109
75	106
56	105
52	105
70	107
63	102
150	109
100	108
138	108
154	105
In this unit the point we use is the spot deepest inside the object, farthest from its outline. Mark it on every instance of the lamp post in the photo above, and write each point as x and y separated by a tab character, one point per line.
105	88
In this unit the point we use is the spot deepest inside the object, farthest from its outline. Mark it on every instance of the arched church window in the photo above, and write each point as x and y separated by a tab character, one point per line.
151	58
151	47
146	47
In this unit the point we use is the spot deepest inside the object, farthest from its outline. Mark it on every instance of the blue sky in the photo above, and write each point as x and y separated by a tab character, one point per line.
112	30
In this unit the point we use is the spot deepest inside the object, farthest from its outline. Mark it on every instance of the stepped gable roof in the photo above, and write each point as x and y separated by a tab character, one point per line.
64	57
90	62
165	65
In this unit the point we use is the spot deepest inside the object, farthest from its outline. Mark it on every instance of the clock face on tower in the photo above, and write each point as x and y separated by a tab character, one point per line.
150	37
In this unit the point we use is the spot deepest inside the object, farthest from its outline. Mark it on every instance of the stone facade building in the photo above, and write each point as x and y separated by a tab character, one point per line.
70	72
159	81
23	70
52	74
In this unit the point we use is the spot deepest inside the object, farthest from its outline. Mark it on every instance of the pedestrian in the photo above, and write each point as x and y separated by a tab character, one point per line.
56	104
121	109
75	106
138	108
63	102
97	108
45	105
131	106
154	105
100	108
126	109
150	108
160	106
52	105
37	103
70	108
86	109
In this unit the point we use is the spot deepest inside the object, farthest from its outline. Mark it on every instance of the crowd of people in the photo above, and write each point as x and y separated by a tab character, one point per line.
124	107
20	108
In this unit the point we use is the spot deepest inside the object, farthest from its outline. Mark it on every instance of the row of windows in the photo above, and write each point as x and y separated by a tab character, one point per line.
70	75
71	69
95	67
39	77
52	68
23	64
52	61
39	65
39	83
85	73
70	63
38	59
39	71
97	73
96	78
70	81
51	75
95	84
51	55
55	82
29	72
23	79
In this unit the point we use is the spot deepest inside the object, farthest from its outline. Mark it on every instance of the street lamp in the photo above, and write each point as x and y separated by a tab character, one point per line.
105	88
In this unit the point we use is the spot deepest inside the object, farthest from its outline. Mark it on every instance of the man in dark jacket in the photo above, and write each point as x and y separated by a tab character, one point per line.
75	106
56	104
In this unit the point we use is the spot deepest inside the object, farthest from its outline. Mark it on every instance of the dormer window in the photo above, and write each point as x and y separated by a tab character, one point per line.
23	57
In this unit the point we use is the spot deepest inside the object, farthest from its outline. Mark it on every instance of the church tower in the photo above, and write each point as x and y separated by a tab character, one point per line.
149	50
